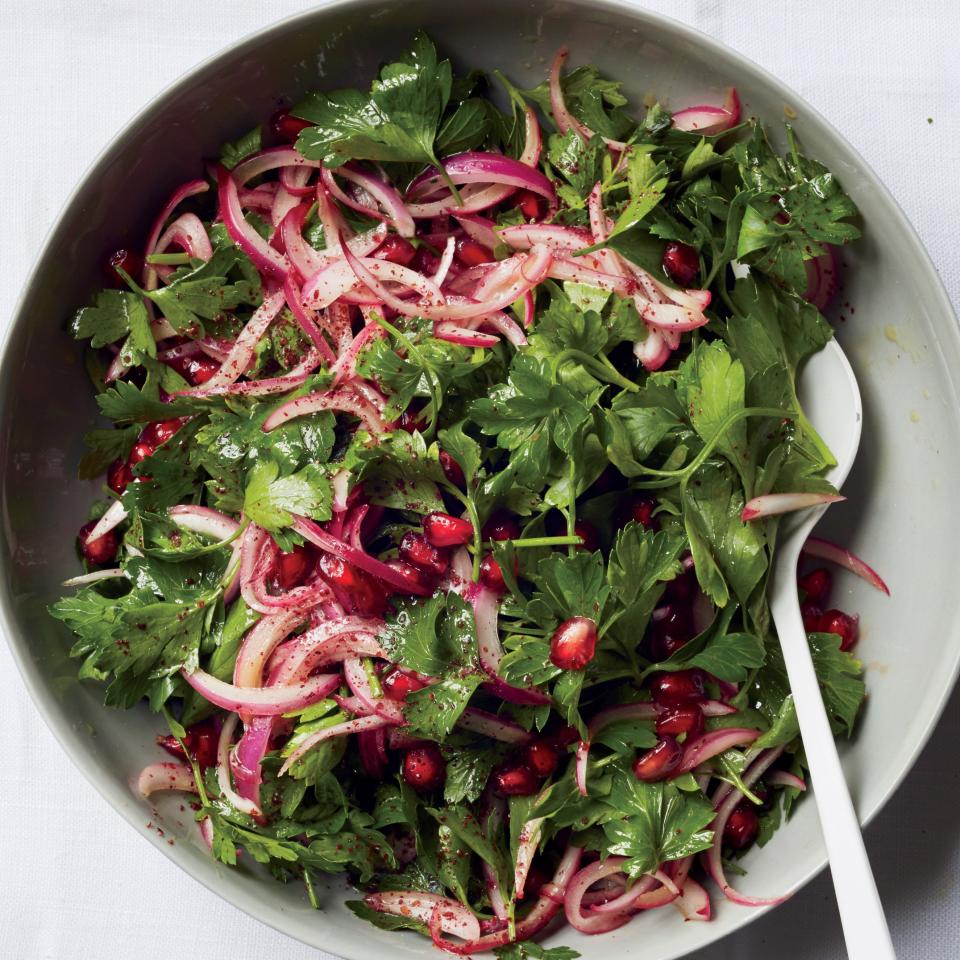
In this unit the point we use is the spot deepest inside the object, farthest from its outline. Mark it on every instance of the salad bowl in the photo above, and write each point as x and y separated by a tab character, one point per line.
893	319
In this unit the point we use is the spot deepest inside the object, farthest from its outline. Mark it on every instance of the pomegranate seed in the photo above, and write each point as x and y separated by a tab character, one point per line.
515	781
97	552
529	204
542	757
424	767
742	827
419	580
573	643
287	127
589	538
118	476
817	585
200	740
811	615
292	568
397	250
416	549
172	745
659	761
678	688
676	628
641	511
425	261
843	625
198	370
396	685
442	530
471	253
681	262
491	576
160	431
354	588
411	421
501	526
126	260
452	470
140	452
688	720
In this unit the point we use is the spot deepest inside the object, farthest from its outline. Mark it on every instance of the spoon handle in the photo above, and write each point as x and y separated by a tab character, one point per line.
861	913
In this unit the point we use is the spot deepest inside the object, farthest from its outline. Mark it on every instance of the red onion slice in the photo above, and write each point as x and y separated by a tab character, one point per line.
266	258
189	189
593	922
114	516
261	701
772	504
357	725
389	200
243	804
165	776
783	778
712	744
271	159
707	120
259	643
834	553
694	902
338	401
490	725
359	684
527	844
455	918
204	520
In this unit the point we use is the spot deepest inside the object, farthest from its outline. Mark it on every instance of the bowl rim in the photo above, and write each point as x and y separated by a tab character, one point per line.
116	794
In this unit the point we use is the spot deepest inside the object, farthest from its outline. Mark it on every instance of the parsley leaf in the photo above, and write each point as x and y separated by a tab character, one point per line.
433	711
271	500
233	152
433	636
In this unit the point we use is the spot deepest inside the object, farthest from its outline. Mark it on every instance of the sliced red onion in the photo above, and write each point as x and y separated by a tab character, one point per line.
283	203
242	804
712	744
474	198
188	233
712	860
673	318
702	612
246	758
455	918
490	725
533	141
527	844
296	180
593	922
114	516
271	159
338	401
359	684
563	118
494	895
266	258
357	725
694	902
648	893
565	269
260	198
529	309
486	612
463	336
708	120
772	504
476	166
94	577
524	235
580	767
373	273
165	776
189	189
242	353
478	228
505	326
345	366
206	832
834	553
330	544
823	278
783	778
303	256
373	764
268	386
717	708
259	643
331	642
389	200
598	217
446	260
204	520
525	696
261	701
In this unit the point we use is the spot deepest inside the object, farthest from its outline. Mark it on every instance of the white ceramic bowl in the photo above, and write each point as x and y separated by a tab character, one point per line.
899	331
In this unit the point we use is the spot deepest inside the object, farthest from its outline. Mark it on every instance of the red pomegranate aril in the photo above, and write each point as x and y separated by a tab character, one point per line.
589	537
678	688
542	757
515	781
198	370
101	551
847	628
742	827
160	431
412	421
292	568
416	549
573	643
675	627
452	470
397	250
640	510
817	585
811	614
141	450
501	526
677	720
443	530
355	589
471	253
420	581
127	261
565	736
287	127
681	263
396	685
529	204
682	588
118	476
491	576
200	741
659	761
424	767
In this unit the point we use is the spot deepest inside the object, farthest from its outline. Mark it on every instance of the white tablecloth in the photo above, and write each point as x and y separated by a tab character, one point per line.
76	883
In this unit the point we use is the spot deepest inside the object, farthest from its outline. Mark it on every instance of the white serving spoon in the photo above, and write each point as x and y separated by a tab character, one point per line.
831	400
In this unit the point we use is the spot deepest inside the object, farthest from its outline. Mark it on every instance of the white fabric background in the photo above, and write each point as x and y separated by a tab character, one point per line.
75	882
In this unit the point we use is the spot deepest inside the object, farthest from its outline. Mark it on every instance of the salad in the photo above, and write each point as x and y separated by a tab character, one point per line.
448	445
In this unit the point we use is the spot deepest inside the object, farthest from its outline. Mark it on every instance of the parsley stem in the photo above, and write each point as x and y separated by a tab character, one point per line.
540	542
602	369
674	476
572	512
169	259
375	688
471	508
311	892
